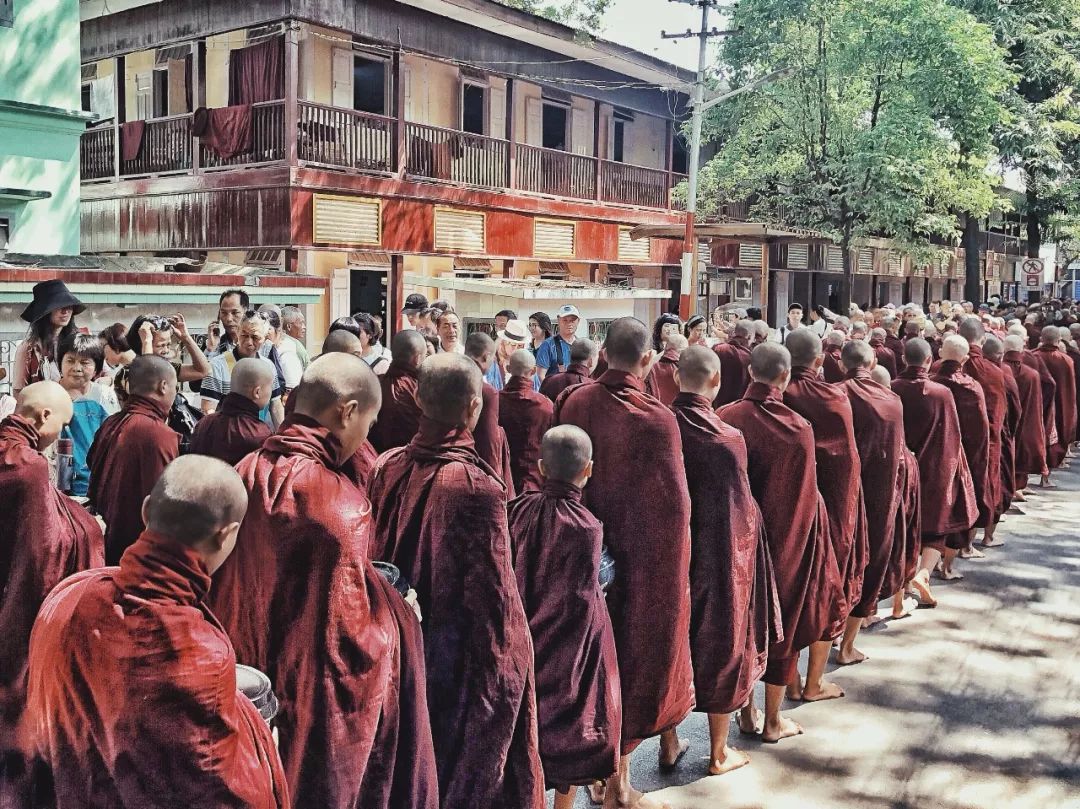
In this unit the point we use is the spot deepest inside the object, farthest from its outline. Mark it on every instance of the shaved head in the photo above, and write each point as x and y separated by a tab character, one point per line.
954	347
880	374
195	497
804	347
1014	342
744	328
857	354
250	373
878	334
628	340
340	341
584	351
993	349
835	338
565	452
449	384
971	329
1050	335
408	348
522	363
677	342
478	346
761	329
911	328
48	407
147	373
769	362
917	352
334	379
699	370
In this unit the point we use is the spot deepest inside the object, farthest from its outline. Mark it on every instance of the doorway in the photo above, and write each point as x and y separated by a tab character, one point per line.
367	293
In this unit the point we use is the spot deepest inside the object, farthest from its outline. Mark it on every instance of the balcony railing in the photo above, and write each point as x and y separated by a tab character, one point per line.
368	143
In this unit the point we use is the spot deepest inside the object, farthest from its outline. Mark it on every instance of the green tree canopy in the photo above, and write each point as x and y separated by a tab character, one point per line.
585	15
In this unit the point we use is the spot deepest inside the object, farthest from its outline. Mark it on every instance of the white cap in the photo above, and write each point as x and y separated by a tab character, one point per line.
568	310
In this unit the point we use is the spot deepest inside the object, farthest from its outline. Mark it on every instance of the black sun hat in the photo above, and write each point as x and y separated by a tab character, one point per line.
48	297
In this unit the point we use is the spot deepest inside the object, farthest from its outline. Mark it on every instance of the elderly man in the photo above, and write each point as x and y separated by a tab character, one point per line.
490	438
831	368
302	602
524	415
780	445
448	329
553	356
1060	367
639	492
295	325
1030	438
584	355
734	613
975	438
251	337
130	452
885	356
932	432
829	412
734	358
400	414
235	429
148	714
44	536
440	517
991	379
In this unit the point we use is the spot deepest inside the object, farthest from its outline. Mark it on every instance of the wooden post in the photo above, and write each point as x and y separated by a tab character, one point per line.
596	148
292	87
511	137
198	96
669	149
120	110
765	282
395	285
594	273
399	113
508	268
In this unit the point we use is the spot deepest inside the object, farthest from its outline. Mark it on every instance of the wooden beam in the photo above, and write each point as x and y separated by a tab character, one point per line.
397	68
596	147
511	136
292	87
508	268
395	293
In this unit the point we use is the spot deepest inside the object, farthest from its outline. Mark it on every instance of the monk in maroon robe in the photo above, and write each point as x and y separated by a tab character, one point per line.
932	432
831	369
991	379
878	419
556	544
130	451
780	445
303	603
234	429
1030	439
639	492
524	415
489	437
885	357
734	363
44	537
734	610
440	516
994	351
584	356
1060	367
828	410
664	386
147	713
904	564
399	416
893	341
1034	360
975	438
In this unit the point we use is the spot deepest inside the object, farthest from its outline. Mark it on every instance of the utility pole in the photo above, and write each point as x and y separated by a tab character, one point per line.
688	285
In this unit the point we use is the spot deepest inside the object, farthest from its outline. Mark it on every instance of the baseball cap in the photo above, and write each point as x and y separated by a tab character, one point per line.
568	310
414	303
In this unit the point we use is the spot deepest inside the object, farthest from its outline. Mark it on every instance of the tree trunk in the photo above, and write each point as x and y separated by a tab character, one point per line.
973	282
1034	223
848	278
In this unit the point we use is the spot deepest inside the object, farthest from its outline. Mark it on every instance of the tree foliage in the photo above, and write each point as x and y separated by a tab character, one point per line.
584	15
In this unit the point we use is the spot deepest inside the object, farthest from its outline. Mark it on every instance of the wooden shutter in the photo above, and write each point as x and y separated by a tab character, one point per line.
835	260
497	112
341	75
340	302
641	249
555	239
459	231
580	142
346	220
866	261
534	122
798	257
749	255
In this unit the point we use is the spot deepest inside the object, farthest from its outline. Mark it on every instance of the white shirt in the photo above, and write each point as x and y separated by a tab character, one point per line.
291	367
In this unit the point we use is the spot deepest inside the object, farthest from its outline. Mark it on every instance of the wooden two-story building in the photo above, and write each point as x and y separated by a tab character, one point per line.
458	148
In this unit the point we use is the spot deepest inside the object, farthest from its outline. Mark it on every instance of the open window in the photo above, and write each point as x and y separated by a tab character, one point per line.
360	82
474	107
555	119
618	135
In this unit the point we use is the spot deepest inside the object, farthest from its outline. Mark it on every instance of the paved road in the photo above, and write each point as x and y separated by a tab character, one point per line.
973	705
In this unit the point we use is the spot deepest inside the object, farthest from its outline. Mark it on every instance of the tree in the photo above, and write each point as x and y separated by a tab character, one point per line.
584	15
882	129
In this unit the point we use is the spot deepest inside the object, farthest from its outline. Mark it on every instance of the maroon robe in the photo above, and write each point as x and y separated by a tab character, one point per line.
440	516
734	608
44	537
1007	482
991	379
974	435
734	370
1030	439
1060	367
129	453
490	439
662	377
831	368
783	480
399	415
525	416
878	418
556	546
907	539
576	373
896	345
829	412
932	433
360	466
1034	360
885	357
147	714
302	602
639	492
230	432
1074	355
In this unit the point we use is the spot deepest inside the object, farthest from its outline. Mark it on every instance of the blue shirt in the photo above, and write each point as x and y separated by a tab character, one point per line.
86	420
550	357
495	378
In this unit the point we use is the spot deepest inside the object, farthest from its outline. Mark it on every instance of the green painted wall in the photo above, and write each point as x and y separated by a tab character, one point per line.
39	66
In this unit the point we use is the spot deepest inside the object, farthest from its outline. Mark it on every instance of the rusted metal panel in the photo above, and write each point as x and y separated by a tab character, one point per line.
509	234
597	241
408	226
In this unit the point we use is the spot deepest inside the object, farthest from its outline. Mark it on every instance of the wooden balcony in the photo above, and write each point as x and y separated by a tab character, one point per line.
361	142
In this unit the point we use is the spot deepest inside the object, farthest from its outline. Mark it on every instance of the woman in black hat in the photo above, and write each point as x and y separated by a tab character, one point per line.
51	316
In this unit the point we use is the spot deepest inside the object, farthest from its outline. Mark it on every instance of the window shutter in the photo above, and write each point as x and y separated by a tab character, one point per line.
639	250
555	239
896	263
459	231
406	79
534	122
497	112
341	74
749	255
346	220
580	142
798	257
835	261
339	293
866	261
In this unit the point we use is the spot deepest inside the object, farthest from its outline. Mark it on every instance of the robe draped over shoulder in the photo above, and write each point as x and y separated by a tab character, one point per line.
524	415
734	370
230	432
399	416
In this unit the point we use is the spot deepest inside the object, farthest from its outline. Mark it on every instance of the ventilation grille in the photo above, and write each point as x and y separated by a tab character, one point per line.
163	56
465	267
798	257
634	250
704	253
459	231
749	255
346	220
835	261
896	263
263	258
553	238
88	72
866	261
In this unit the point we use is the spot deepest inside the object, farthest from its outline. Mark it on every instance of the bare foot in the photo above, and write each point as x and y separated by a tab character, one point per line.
596	792
670	757
870	620
1046	483
1018	497
971	553
993	542
921	585
732	760
951	575
794	692
632	799
825	691
846	658
750	721
783	729
905	608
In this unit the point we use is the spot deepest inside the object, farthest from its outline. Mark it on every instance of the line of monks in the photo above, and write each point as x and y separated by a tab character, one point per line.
756	500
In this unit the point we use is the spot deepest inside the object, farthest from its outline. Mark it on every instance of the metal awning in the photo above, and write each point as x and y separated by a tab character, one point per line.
128	293
736	231
535	288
